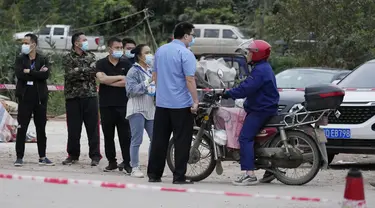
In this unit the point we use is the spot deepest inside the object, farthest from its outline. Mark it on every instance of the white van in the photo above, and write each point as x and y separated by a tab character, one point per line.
217	38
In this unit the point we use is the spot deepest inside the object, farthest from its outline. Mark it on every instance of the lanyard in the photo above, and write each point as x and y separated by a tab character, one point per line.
139	68
32	66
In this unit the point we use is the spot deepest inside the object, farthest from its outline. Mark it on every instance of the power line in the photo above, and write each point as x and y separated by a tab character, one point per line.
102	23
139	23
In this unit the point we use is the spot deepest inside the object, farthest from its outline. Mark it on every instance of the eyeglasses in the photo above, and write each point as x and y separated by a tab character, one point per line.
192	35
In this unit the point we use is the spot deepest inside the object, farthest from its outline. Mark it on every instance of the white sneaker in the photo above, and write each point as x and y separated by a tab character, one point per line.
137	173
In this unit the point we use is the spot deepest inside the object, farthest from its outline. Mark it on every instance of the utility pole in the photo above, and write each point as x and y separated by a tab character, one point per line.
147	15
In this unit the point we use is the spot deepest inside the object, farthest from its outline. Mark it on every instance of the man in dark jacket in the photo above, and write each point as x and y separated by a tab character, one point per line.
129	44
81	100
32	71
262	98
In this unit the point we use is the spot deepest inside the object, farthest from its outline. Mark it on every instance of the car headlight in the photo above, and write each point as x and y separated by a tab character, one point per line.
296	107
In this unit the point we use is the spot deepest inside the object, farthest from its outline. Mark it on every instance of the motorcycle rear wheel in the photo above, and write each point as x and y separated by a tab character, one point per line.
208	169
281	176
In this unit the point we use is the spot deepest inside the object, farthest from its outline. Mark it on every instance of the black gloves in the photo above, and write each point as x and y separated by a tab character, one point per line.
225	95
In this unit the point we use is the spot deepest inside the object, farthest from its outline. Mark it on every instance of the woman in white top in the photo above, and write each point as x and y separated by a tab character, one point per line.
140	108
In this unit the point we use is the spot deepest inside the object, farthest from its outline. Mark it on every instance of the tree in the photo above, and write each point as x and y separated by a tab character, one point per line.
333	33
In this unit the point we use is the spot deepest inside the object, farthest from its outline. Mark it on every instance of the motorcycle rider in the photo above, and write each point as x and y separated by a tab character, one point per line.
262	98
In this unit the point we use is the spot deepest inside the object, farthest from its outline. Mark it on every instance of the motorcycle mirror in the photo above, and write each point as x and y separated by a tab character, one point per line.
220	73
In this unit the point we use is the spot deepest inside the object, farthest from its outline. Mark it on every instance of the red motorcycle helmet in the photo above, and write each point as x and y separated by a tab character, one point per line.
261	50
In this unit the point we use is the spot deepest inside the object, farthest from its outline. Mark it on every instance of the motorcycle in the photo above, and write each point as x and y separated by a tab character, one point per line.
288	141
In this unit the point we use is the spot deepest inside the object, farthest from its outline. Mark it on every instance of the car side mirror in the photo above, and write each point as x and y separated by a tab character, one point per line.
234	36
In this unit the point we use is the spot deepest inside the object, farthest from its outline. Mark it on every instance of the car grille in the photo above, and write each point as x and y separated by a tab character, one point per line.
352	115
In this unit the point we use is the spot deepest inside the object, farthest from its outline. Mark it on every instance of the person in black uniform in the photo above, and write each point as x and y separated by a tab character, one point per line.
111	72
32	71
129	44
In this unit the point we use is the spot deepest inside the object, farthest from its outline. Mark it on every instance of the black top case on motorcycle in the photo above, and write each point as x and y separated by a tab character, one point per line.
323	96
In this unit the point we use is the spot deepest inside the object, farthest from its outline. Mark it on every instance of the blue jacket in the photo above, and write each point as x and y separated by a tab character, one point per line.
259	89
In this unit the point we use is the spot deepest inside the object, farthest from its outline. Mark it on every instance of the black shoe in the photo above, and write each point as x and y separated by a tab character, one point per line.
183	182
268	177
111	167
18	163
69	161
154	180
126	168
95	162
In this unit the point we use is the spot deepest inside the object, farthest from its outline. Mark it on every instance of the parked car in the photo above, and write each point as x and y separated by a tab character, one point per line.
351	128
59	36
217	38
306	76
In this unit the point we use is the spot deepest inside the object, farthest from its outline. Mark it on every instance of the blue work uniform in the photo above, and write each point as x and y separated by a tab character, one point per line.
262	98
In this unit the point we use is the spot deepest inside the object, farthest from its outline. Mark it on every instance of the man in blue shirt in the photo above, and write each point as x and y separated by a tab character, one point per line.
176	100
262	98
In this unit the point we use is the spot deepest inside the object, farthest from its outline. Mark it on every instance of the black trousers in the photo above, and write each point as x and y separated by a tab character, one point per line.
26	108
166	121
111	118
78	111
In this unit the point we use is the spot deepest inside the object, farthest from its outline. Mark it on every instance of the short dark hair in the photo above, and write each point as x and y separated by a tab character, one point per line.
112	40
137	51
128	40
181	29
75	37
32	37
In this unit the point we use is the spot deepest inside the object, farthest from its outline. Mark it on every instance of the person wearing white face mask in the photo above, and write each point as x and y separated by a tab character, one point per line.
129	44
32	71
111	72
141	108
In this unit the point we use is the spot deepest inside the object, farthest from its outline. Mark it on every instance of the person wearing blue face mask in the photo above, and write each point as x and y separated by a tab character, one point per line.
111	72
81	100
129	44
141	107
176	101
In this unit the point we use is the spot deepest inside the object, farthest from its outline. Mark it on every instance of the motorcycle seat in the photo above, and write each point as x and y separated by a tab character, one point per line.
276	121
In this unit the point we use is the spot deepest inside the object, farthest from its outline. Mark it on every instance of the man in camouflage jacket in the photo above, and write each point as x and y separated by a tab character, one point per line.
81	100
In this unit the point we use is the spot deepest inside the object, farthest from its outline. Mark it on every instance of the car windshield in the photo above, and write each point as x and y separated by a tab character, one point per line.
296	78
362	77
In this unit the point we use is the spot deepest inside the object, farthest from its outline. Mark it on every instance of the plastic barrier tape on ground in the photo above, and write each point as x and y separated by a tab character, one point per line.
102	184
61	88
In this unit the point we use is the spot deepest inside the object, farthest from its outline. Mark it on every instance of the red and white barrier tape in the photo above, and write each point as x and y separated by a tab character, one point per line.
61	88
101	184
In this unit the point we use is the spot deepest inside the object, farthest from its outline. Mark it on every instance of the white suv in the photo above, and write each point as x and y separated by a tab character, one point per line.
351	128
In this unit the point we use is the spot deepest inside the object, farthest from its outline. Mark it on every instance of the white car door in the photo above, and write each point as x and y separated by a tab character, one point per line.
44	37
58	37
228	41
211	40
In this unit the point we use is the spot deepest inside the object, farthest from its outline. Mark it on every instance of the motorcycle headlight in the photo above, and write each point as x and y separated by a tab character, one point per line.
296	108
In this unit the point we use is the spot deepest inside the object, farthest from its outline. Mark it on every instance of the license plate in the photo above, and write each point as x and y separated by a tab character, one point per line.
337	133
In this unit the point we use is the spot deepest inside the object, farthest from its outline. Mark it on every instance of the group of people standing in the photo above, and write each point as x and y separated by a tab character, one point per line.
129	101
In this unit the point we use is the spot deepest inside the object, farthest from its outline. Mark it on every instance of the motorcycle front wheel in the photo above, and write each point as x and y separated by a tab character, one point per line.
205	151
302	142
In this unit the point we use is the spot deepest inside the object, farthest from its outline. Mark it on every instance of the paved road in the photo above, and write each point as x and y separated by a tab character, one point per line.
328	184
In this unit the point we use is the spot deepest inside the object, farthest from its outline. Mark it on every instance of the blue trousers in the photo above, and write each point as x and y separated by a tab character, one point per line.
138	124
253	123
